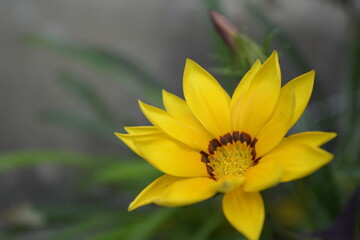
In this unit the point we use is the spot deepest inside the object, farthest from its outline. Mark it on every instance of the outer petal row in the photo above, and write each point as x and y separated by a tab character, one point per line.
179	129
295	157
299	154
173	191
164	153
245	212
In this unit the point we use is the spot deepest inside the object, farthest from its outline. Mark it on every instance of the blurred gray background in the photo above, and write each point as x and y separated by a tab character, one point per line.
157	34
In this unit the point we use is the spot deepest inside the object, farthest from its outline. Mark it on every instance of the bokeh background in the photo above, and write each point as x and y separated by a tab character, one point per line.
56	57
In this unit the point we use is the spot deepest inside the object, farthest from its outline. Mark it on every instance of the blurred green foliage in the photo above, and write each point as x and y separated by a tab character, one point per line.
311	203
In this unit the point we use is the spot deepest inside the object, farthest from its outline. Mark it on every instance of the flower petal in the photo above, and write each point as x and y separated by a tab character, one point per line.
243	86
251	112
279	123
297	159
262	176
207	99
166	154
182	131
315	138
173	191
178	108
187	191
303	86
153	191
143	131
245	212
228	183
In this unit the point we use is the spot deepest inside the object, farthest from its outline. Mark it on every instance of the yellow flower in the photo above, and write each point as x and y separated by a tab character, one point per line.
212	143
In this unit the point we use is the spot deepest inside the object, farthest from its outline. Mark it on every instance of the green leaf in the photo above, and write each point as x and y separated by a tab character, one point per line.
125	171
26	158
142	227
76	122
85	228
82	89
204	231
147	226
267	40
213	5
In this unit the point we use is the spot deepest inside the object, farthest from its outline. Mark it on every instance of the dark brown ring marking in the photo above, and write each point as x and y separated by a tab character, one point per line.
204	157
213	145
227	138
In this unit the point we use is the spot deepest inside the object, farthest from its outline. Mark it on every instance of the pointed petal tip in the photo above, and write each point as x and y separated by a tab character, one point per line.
328	136
164	94
119	135
140	103
274	55
310	75
190	63
143	106
272	60
123	136
257	62
132	207
332	135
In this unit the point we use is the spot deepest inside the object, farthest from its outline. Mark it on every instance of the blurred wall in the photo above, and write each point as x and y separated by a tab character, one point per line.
157	34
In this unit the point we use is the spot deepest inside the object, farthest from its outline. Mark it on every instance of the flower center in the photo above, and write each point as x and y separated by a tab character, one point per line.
231	154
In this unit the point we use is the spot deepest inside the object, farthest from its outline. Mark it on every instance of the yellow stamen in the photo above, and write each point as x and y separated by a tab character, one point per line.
233	155
232	159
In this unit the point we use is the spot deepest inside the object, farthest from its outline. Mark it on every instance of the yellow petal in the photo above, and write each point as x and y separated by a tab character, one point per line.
207	99
245	212
173	191
167	155
302	86
297	160
153	191
178	108
315	138
251	113
141	129
243	86
228	183
182	131
186	191
262	176
144	132
279	123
